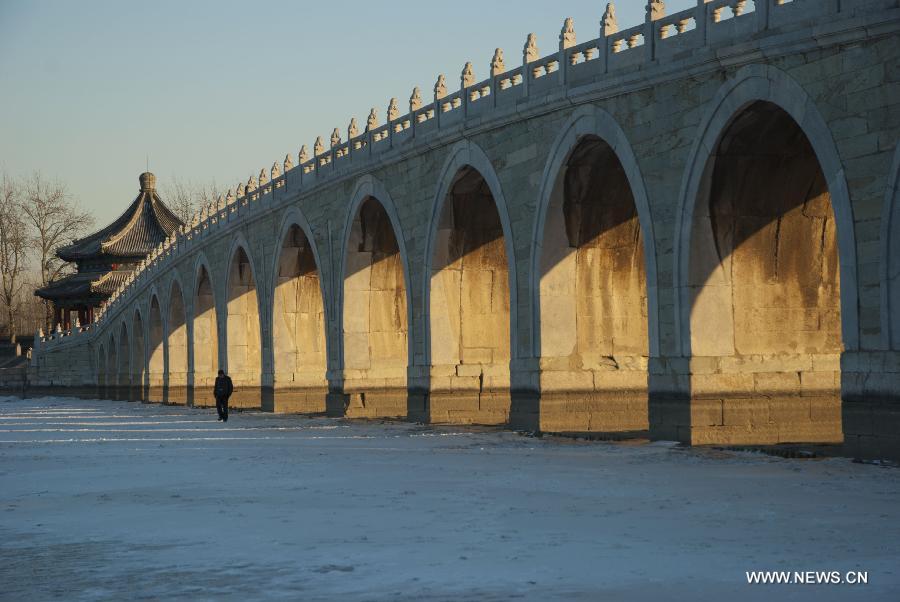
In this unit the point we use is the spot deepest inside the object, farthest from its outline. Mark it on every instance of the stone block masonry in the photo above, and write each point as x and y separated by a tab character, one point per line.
687	228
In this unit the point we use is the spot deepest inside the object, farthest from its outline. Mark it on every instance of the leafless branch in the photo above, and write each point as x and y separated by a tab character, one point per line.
13	250
55	219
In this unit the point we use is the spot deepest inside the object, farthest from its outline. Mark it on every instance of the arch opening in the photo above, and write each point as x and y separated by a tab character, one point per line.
205	341
101	371
123	368
156	361
764	283
375	323
298	331
175	379
243	332
469	307
593	298
112	371
138	366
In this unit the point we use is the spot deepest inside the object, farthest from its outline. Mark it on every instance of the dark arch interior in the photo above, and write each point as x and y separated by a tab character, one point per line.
598	197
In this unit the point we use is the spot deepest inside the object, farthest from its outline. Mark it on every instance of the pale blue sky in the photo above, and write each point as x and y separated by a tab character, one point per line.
216	90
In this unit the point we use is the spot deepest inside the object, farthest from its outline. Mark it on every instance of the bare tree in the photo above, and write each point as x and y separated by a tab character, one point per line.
55	219
13	251
179	199
184	198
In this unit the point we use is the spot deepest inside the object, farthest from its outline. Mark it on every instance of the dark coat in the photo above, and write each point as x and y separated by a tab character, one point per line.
224	387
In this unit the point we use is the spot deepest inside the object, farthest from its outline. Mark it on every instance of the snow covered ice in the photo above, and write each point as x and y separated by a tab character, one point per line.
114	500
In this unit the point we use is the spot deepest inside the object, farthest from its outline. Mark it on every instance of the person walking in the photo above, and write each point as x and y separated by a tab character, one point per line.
223	390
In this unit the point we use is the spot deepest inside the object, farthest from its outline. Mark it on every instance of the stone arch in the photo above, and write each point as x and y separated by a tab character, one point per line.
594	121
243	325
593	280
101	370
890	258
463	153
766	266
112	369
204	339
470	293
156	349
123	367
764	83
298	319
138	356
375	306
176	345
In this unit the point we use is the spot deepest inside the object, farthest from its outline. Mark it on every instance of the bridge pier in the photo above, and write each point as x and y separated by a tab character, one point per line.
699	401
296	400
870	385
336	403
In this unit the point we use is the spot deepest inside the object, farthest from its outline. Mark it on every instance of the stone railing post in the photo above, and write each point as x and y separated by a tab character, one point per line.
566	40
656	9
701	17
440	91
415	104
371	124
393	114
498	67
466	79
762	14
530	54
608	26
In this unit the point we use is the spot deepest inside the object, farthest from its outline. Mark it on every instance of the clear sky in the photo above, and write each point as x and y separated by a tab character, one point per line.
217	90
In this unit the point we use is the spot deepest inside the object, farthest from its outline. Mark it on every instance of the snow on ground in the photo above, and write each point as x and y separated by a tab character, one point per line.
122	501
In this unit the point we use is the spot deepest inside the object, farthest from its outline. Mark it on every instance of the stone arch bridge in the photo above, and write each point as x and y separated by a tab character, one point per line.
688	227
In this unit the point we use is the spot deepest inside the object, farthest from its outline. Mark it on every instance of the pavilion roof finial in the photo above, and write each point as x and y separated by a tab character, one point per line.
148	181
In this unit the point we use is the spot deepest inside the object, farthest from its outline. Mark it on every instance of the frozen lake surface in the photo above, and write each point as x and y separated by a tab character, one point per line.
122	501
